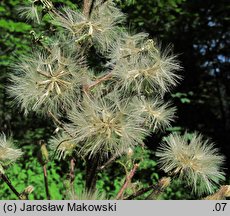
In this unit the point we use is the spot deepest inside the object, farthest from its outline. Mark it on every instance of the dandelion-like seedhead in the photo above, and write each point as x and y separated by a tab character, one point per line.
157	114
106	125
99	29
62	146
197	162
8	152
153	73
46	81
128	45
221	194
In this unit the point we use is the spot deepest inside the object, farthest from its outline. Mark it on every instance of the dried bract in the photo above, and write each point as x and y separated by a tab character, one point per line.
62	145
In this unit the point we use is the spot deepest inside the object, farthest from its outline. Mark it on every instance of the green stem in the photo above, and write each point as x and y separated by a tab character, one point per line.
46	182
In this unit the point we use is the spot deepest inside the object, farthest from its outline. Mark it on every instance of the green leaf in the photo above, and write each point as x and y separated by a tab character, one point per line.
185	100
14	26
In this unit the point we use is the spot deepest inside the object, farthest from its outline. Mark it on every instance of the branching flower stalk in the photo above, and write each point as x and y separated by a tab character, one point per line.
127	181
159	188
104	109
140	192
72	174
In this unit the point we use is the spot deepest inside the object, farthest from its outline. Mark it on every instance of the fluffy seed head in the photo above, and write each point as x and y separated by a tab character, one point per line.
106	125
197	162
46	80
221	194
154	73
100	28
157	114
8	152
128	45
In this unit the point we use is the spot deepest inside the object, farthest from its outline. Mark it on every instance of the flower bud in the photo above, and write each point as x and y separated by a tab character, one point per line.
130	152
164	182
27	191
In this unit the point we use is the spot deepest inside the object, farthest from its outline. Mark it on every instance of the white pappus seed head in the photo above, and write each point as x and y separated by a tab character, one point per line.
8	152
128	45
158	115
197	162
46	81
99	29
153	72
106	125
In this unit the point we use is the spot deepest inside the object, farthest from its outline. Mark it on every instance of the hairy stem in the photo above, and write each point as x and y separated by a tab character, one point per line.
71	173
140	192
127	181
159	188
8	182
86	88
86	7
91	7
107	163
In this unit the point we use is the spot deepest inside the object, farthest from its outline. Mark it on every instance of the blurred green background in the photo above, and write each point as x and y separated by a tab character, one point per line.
199	33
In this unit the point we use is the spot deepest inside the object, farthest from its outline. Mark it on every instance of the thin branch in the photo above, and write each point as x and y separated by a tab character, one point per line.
86	7
71	173
46	182
140	192
107	163
55	119
159	188
58	122
43	158
8	182
127	181
155	193
91	7
86	88
98	81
